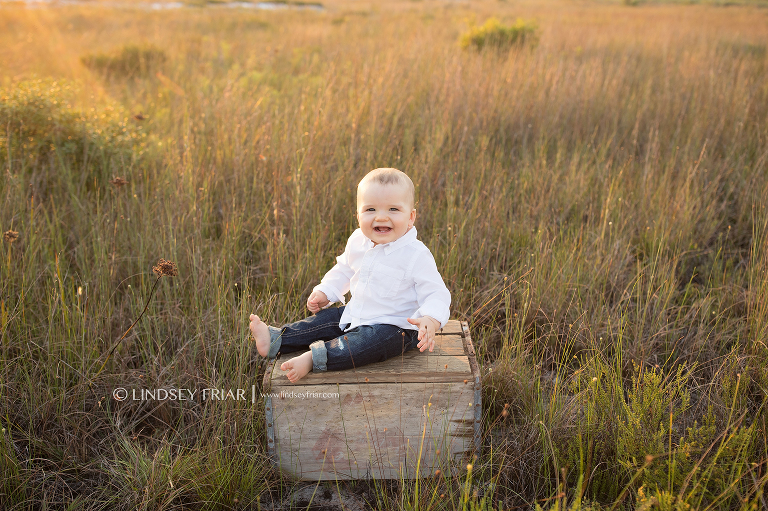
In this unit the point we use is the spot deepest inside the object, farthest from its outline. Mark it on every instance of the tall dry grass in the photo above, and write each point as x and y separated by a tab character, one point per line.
595	205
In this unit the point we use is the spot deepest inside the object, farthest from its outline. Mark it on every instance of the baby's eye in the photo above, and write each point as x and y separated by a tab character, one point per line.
370	209
394	209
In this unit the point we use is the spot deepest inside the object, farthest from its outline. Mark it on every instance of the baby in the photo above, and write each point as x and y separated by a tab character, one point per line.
398	298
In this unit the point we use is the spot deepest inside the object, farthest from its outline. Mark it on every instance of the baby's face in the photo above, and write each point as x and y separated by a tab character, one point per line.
384	212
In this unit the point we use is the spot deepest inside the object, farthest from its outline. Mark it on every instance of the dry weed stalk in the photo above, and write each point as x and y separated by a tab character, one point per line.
162	269
10	236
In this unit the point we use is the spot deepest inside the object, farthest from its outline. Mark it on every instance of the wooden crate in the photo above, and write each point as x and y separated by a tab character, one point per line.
402	418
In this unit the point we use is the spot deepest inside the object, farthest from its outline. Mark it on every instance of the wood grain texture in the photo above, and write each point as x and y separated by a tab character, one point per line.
452	327
381	430
469	348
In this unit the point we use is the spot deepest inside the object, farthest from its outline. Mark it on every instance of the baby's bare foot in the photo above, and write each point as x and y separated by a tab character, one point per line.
298	367
260	333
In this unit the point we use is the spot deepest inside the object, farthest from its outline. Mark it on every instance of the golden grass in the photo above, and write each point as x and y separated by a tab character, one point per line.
595	204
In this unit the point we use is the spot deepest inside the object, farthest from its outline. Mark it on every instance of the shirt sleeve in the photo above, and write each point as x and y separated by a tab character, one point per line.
433	297
335	283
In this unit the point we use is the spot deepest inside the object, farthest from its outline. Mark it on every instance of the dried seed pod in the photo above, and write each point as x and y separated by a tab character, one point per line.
10	236
165	269
118	182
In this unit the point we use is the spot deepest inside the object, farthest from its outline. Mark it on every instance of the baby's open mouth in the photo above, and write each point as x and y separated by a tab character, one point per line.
382	230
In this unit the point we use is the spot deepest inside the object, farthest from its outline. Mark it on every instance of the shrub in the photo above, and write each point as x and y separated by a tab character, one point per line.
39	123
131	61
495	35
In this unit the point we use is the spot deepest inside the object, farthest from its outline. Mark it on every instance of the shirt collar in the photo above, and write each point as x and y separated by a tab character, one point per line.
406	239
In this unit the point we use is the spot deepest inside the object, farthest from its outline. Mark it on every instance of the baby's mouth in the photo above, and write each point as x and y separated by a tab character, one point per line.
382	230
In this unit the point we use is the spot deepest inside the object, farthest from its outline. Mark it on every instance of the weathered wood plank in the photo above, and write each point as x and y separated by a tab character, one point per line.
447	363
445	344
410	367
452	327
456	350
373	430
470	350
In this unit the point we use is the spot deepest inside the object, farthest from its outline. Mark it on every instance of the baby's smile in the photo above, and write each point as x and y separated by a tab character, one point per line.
384	211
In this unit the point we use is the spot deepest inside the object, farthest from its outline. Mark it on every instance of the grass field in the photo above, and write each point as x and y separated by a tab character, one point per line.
594	198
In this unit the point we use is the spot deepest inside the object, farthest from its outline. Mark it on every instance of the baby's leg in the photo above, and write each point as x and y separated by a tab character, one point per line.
363	345
358	347
295	336
311	332
299	335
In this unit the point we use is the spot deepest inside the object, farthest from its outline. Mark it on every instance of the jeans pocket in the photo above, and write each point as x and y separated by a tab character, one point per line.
387	280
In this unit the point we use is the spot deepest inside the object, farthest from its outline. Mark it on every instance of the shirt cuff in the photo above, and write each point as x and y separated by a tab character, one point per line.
333	294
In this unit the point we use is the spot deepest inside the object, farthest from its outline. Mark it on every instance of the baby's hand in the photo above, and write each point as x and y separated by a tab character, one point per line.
316	301
427	327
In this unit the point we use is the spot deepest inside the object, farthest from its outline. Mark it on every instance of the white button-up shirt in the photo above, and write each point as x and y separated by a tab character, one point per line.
390	283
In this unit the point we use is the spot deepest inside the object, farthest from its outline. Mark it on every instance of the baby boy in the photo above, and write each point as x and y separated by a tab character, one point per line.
398	298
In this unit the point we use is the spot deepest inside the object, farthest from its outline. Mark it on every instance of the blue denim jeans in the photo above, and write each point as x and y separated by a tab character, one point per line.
334	349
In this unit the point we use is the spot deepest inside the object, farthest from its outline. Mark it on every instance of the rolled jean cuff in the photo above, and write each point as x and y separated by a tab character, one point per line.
275	341
319	356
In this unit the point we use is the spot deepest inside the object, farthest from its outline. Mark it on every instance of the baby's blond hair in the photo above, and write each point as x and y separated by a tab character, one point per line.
389	176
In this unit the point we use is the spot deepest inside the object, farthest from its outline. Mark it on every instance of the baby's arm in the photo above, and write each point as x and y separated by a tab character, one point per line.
335	283
434	301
